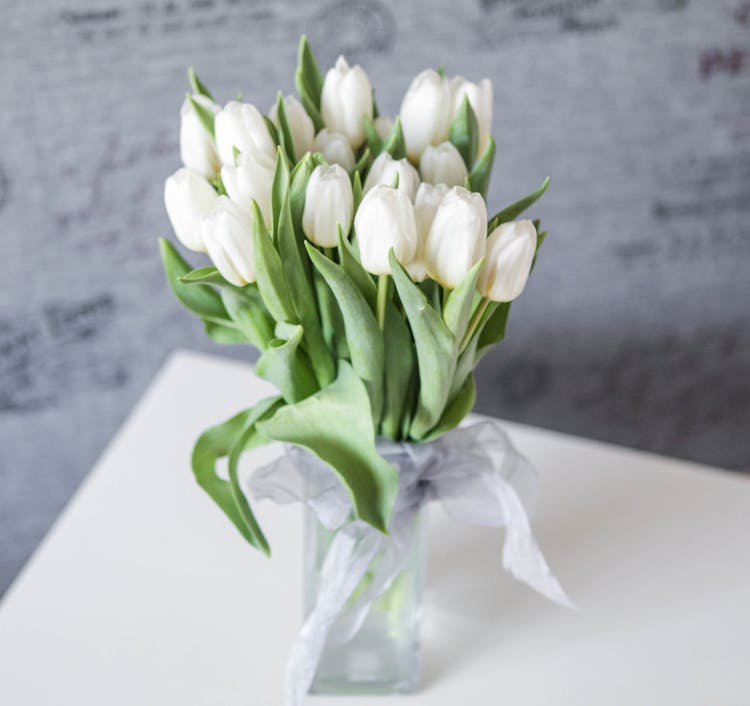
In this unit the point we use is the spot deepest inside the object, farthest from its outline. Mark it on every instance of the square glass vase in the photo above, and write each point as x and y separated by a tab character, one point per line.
383	657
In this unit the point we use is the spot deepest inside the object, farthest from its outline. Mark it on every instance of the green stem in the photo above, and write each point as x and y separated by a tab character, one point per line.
329	253
475	320
382	296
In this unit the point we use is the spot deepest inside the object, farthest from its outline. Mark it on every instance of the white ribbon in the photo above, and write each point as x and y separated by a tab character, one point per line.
474	471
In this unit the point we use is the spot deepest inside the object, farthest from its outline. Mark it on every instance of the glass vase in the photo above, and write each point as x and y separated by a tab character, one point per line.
383	657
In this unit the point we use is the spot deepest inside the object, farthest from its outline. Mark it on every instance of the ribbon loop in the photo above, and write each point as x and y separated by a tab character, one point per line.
474	471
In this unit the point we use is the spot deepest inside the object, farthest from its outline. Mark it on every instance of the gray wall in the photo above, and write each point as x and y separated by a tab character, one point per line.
634	328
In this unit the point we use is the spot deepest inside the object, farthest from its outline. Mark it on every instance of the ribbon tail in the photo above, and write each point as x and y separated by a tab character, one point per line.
349	556
522	556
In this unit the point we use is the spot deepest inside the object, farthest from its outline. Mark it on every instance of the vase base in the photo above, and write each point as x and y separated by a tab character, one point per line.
351	671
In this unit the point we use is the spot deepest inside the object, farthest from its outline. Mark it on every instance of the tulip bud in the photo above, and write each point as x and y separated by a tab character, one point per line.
335	148
346	100
329	202
300	125
457	237
252	178
228	235
385	220
510	253
188	198
426	113
240	125
197	148
480	99
383	126
443	165
384	170
426	204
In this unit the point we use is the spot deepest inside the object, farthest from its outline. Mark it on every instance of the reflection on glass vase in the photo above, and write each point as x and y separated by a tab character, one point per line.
383	657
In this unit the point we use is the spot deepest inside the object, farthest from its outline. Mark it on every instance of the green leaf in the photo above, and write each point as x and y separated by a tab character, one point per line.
284	131
516	209
285	365
309	72
399	369
299	280
357	189
298	188
272	131
279	189
205	115
217	442
308	102
335	424
363	161
197	85
464	133
436	351
492	331
460	302
433	293
354	269
224	335
270	273
247	311
203	301
363	335
374	141
479	179
204	275
456	410
395	145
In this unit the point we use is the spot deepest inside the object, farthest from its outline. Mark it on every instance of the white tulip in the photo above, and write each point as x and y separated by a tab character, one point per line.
188	198
426	205
385	220
300	125
251	179
335	148
384	170
443	165
426	113
228	234
346	100
383	126
457	237
510	252
329	202
197	148
480	99
240	125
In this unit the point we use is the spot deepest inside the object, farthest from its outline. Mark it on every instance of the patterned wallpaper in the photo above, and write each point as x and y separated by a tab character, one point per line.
634	328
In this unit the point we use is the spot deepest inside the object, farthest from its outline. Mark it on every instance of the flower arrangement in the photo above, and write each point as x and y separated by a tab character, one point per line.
356	253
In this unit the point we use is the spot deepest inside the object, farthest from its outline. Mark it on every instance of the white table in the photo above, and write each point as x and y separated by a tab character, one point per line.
143	594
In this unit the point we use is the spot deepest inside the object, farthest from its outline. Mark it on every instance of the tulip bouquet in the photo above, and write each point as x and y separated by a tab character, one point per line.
356	253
